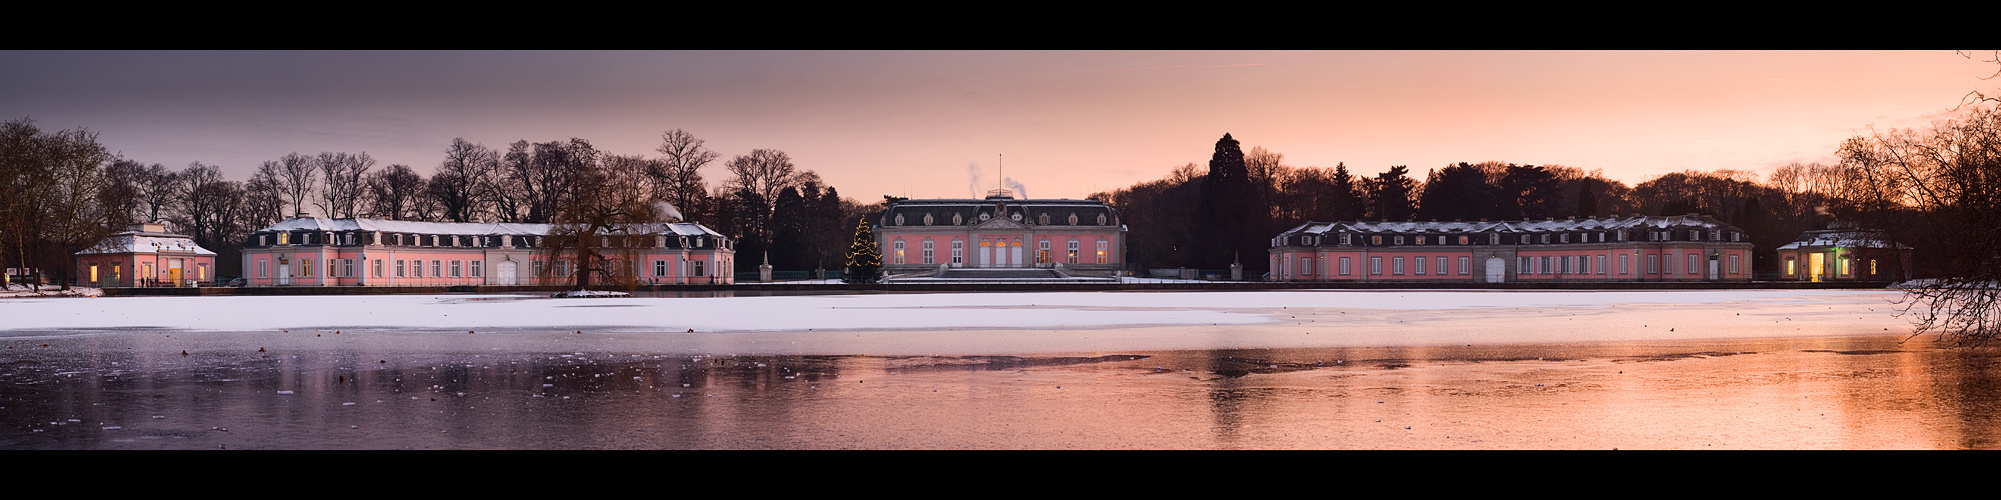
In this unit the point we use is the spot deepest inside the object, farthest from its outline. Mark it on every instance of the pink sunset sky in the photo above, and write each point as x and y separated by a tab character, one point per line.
928	124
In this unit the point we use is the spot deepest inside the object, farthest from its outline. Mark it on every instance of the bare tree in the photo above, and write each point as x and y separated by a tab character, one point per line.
679	174
343	173
1265	167
393	192
549	174
74	217
264	195
763	171
295	177
1941	187
461	182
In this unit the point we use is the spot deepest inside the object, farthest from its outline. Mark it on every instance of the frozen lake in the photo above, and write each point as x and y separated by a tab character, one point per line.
1175	370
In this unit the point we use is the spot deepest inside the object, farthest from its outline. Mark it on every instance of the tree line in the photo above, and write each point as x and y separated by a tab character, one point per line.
62	191
1228	212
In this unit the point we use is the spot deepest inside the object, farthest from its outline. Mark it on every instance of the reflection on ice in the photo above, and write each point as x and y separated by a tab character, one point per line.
1295	370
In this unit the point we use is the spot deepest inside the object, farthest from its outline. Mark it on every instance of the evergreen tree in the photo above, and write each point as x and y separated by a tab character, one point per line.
1391	193
1230	219
864	259
1456	192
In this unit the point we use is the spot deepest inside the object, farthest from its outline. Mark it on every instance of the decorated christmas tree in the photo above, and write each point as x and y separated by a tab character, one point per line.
864	260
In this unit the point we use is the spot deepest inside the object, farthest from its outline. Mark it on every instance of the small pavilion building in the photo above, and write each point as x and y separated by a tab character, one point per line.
145	255
1845	252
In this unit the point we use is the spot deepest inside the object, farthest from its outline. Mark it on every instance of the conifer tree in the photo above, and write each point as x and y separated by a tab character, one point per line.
864	259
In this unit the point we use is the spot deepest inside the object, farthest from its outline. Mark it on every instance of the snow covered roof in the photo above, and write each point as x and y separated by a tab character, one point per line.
462	228
1520	226
969	211
1843	239
146	242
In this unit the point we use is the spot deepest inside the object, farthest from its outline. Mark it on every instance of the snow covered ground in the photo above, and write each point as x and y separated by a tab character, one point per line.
963	323
20	290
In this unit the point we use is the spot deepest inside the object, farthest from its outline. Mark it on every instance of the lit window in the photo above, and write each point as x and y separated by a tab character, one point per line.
1073	251
898	252
1105	252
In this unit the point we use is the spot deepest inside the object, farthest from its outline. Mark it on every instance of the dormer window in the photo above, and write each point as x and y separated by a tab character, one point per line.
899	219
927	219
1420	240
1101	219
1399	240
1344	239
957	220
1042	219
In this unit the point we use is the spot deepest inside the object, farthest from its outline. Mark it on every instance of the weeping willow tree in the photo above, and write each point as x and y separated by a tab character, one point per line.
597	232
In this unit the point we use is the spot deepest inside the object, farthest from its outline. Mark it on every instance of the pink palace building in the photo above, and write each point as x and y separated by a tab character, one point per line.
1083	237
1638	248
315	251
